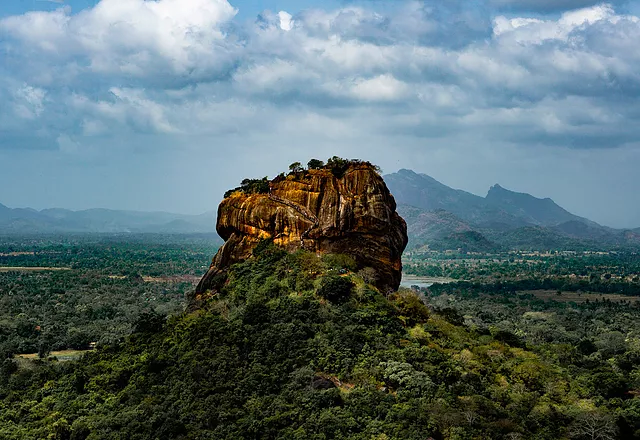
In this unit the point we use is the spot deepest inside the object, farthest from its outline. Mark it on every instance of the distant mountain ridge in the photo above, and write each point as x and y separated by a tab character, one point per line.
57	220
442	217
500	207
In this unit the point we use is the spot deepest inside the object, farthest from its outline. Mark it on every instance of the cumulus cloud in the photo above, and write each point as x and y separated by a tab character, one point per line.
130	37
544	6
29	102
143	65
185	74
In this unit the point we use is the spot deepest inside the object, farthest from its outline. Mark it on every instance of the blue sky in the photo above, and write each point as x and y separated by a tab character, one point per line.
163	105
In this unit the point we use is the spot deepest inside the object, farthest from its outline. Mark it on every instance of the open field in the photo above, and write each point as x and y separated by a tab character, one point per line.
63	355
30	269
579	297
194	279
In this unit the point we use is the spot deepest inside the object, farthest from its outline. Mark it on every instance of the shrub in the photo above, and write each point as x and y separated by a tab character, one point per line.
368	274
410	307
338	166
266	250
296	167
148	322
251	186
315	164
340	261
335	288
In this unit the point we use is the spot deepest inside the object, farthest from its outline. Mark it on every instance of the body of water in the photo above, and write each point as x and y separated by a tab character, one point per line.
414	280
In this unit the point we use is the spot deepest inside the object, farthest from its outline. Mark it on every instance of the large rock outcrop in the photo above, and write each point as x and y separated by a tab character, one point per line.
314	210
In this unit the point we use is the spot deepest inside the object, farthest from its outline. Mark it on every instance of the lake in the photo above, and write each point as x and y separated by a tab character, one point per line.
414	280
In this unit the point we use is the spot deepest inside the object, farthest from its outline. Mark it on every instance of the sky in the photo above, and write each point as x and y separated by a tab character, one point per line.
163	105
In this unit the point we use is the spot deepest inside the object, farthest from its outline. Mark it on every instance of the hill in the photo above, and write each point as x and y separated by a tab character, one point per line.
30	221
440	217
291	350
442	230
342	207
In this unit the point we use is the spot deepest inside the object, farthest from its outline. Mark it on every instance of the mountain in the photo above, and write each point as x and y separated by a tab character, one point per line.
501	208
442	217
28	221
425	192
544	212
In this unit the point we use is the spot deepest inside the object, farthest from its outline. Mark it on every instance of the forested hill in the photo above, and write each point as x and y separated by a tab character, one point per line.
297	347
30	221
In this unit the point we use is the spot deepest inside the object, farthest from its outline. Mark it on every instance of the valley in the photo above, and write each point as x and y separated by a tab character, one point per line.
571	348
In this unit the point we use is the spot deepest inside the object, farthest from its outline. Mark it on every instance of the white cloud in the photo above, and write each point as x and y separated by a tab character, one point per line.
380	88
182	67
286	22
29	101
129	36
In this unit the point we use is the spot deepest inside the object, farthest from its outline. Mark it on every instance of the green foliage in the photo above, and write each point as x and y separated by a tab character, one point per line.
266	250
410	307
336	288
251	186
148	322
101	295
290	349
338	166
296	167
315	164
340	262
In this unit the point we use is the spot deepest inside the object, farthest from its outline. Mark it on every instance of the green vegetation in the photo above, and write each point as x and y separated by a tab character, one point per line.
251	186
102	294
315	164
296	346
337	165
467	241
609	272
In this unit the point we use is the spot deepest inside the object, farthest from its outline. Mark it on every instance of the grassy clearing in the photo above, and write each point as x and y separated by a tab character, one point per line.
579	297
194	279
63	355
30	269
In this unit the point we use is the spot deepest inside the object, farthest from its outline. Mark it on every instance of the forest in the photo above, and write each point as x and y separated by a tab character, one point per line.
72	291
301	347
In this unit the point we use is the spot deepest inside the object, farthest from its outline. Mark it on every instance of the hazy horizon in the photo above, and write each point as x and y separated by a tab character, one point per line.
162	106
214	210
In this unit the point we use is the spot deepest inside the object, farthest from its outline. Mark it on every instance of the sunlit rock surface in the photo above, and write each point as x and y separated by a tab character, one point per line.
314	210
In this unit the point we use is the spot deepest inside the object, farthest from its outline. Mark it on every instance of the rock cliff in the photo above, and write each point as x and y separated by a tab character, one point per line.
352	213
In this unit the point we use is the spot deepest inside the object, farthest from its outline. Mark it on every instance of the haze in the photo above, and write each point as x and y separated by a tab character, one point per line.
131	104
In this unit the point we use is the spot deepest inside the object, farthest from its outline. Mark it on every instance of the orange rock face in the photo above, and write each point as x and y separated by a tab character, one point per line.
316	211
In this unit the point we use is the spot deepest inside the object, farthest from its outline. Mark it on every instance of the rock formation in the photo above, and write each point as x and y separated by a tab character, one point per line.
352	213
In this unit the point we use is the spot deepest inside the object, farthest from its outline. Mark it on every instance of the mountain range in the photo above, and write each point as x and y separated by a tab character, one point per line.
439	217
29	221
